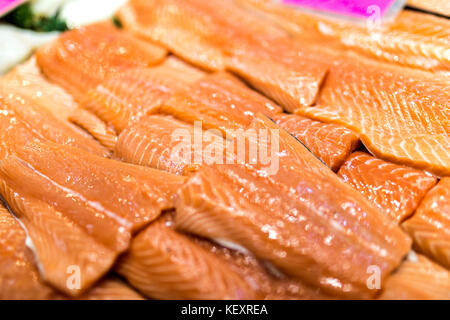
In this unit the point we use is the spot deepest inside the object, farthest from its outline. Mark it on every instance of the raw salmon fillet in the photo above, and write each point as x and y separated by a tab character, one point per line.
19	277
79	59
22	120
401	115
122	100
437	6
413	39
264	278
28	81
165	264
219	101
111	289
80	209
396	190
110	72
329	142
165	143
301	219
219	35
430	225
418	278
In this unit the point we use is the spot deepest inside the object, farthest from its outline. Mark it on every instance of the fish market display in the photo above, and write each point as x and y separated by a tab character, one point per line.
397	190
164	264
58	193
273	217
228	150
219	101
111	289
329	142
219	35
106	71
28	81
266	280
430	225
23	120
401	115
413	39
418	279
147	143
188	273
19	277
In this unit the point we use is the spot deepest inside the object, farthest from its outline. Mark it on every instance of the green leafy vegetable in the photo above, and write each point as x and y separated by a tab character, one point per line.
23	17
117	22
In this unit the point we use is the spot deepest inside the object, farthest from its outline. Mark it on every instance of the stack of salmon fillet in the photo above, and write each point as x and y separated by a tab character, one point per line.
97	207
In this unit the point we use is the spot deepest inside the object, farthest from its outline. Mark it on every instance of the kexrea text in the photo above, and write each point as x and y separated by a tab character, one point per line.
231	309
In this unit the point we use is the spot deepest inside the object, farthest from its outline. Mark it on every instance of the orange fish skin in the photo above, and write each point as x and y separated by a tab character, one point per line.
397	190
19	278
229	217
143	17
57	192
79	59
330	143
401	115
122	100
28	81
111	288
21	121
109	70
217	41
413	39
285	217
270	285
430	225
58	243
86	120
155	139
292	75
418	279
165	264
220	101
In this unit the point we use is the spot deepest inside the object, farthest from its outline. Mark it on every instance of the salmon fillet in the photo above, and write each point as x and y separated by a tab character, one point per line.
413	39
219	101
418	279
301	219
110	72
437	6
165	264
111	289
164	143
79	59
402	116
329	142
19	278
396	190
122	100
263	277
79	209
28	81
219	35
21	121
430	225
